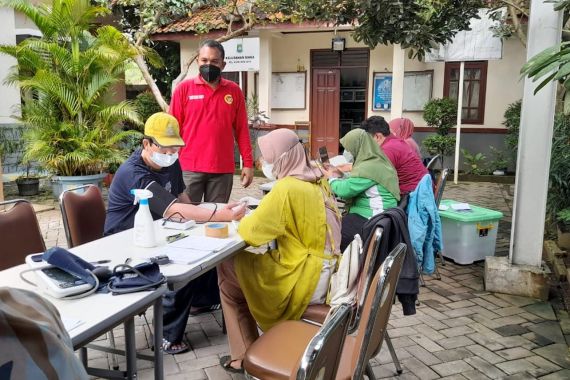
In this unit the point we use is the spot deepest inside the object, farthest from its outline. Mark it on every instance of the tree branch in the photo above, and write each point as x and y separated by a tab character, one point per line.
517	25
515	6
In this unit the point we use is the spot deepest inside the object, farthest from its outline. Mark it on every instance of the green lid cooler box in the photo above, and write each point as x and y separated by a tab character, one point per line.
468	236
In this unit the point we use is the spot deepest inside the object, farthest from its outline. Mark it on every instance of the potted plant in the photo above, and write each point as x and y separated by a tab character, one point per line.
66	75
28	184
474	162
440	114
499	163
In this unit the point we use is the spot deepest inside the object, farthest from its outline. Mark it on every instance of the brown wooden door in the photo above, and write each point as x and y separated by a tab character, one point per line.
325	103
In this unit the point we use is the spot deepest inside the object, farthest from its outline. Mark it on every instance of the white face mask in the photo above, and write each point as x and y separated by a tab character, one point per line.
267	169
164	160
349	157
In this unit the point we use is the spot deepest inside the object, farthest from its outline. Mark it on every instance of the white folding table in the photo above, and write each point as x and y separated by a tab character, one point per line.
100	313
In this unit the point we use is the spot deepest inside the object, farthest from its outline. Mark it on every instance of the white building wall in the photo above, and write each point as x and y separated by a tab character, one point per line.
10	99
288	50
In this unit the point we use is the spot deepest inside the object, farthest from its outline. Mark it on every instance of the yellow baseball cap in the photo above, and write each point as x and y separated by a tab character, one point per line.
164	130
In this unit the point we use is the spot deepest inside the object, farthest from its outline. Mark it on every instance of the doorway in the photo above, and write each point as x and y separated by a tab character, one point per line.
338	95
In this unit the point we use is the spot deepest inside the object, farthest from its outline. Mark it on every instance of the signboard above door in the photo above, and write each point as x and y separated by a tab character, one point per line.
242	54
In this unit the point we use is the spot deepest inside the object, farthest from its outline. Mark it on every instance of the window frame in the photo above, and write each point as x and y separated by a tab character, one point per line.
482	65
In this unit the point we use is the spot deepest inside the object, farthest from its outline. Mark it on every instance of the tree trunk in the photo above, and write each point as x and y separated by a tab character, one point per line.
517	25
141	63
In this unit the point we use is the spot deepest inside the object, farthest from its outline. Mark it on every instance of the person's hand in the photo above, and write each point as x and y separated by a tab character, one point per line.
345	168
237	210
246	176
332	172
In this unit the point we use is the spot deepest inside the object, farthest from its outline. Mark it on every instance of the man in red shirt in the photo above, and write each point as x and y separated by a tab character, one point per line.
211	111
408	165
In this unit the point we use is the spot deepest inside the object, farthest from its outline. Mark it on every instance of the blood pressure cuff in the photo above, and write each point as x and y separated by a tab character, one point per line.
161	199
70	263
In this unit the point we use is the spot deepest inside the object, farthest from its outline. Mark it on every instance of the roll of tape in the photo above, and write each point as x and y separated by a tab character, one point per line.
217	230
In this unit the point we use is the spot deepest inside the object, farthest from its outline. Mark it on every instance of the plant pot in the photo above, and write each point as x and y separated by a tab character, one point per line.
498	172
564	238
28	186
61	183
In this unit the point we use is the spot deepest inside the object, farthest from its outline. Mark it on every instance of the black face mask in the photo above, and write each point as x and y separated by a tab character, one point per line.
210	73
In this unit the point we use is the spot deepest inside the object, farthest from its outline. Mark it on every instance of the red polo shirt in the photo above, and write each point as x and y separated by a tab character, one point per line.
408	165
209	119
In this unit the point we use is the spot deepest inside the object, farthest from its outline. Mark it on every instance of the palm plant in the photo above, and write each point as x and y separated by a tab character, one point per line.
65	77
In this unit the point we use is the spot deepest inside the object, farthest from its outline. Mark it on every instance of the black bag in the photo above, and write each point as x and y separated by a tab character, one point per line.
128	279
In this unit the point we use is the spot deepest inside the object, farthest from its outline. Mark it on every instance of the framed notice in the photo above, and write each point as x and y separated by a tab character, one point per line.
288	90
382	92
417	89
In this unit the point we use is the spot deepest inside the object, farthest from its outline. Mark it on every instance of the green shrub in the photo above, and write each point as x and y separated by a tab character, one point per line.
475	163
559	184
146	105
500	161
436	144
512	122
441	114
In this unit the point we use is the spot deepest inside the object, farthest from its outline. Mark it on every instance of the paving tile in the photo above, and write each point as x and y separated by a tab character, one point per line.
452	368
517	341
402	341
402	331
423	355
419	369
510	330
457	341
542	309
384	370
454	377
456	322
514	353
475	375
426	343
460	304
199	363
516	300
550	330
539	340
514	366
560	375
432	322
544	366
556	353
507	311
462	312
485	353
453	354
428	332
404	322
485	367
457	331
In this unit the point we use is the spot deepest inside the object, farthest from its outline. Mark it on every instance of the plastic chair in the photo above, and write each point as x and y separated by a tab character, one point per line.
317	313
20	233
432	162
83	214
261	360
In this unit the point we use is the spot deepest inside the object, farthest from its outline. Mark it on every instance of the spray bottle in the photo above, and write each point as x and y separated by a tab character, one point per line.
144	227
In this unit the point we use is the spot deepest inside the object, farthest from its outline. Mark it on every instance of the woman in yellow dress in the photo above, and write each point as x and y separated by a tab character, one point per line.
301	216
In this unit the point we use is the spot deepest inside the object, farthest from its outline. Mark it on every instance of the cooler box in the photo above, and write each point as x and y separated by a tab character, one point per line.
469	236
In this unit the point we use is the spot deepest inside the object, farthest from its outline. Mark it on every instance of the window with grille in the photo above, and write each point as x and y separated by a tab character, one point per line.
474	86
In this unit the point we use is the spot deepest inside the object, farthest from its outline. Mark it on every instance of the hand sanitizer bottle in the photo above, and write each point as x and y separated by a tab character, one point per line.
143	233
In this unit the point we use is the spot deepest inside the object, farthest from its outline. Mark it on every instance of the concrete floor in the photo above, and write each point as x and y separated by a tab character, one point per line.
460	331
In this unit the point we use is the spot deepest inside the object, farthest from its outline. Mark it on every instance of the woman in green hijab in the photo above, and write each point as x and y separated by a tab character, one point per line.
372	186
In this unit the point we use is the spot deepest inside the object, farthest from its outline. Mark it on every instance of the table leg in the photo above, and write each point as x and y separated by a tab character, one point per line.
130	348
158	355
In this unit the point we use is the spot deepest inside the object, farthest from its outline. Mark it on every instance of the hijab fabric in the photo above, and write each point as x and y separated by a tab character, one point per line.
369	161
404	129
282	148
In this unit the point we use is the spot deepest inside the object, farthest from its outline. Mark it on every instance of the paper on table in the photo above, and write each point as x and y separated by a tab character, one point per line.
461	206
202	243
338	161
184	255
71	323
